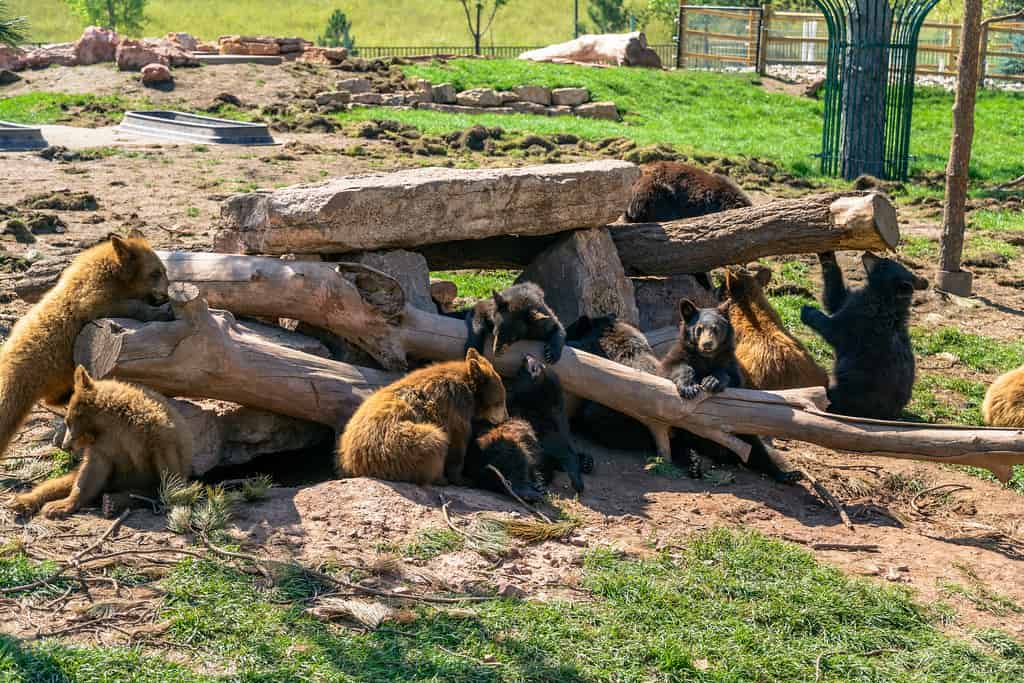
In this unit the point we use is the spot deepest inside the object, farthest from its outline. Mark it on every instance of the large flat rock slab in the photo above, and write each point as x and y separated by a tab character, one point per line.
425	206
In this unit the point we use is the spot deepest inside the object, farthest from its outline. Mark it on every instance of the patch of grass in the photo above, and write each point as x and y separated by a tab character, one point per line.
734	606
796	273
980	244
41	108
660	467
941	399
62	462
918	247
980	594
430	543
17	569
192	212
477	284
978	352
997	221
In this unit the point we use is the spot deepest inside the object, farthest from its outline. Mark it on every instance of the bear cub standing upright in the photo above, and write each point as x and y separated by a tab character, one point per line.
518	312
873	374
703	359
128	437
418	428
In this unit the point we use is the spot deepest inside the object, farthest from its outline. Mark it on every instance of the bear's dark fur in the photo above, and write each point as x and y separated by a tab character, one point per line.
669	190
535	395
703	359
873	374
513	448
519	312
610	338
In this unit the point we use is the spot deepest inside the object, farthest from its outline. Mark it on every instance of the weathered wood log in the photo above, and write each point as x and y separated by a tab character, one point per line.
204	355
824	222
423	206
620	49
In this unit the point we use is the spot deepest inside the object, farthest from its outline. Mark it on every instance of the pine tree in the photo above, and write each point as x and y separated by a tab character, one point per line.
337	33
12	30
609	16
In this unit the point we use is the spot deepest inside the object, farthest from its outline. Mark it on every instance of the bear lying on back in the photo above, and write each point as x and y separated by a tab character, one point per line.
127	436
703	359
517	313
873	375
418	428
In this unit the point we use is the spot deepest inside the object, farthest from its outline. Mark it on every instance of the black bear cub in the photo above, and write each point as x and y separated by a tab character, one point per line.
513	448
519	312
873	374
703	359
535	395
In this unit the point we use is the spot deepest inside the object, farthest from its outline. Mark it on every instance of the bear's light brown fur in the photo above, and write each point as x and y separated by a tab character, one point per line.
1004	401
418	428
769	356
119	278
126	435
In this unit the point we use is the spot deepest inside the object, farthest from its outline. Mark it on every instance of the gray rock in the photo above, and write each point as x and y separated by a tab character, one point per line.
598	110
657	299
561	110
334	99
478	97
507	97
529	108
537	94
569	97
409	268
581	275
424	91
354	85
443	93
370	98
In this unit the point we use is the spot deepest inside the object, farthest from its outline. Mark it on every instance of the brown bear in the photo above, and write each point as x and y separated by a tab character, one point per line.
127	437
1004	401
122	277
418	428
669	190
770	357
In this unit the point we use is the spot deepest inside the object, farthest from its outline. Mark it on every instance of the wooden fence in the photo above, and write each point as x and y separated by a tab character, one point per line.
711	37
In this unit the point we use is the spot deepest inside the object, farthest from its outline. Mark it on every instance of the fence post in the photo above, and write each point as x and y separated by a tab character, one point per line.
763	40
681	37
982	66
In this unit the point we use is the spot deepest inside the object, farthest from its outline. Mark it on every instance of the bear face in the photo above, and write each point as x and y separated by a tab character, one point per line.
707	331
488	390
141	271
890	280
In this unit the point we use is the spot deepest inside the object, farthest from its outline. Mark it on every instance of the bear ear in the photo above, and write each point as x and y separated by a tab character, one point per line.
687	309
83	381
724	307
121	248
472	355
498	300
870	261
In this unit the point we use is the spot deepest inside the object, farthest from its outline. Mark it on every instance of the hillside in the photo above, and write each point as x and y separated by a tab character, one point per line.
393	22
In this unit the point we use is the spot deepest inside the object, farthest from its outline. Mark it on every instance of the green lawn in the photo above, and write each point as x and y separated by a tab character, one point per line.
730	606
395	22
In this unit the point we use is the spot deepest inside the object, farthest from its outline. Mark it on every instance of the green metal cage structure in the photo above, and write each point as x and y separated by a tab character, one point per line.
869	85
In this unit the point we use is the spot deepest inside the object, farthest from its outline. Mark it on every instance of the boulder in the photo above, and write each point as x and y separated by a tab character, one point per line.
96	45
355	85
183	40
581	275
507	97
324	56
424	91
598	110
657	298
443	93
249	45
173	54
292	46
153	74
620	49
11	58
569	97
369	98
561	110
426	206
229	434
529	108
537	94
334	99
132	55
41	58
409	268
478	97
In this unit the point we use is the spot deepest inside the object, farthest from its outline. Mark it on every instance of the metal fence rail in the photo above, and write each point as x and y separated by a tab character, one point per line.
667	51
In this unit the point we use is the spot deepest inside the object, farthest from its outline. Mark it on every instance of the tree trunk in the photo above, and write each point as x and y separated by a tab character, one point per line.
864	77
205	355
951	278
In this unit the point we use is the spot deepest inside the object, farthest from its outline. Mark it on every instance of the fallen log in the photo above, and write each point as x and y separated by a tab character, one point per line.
203	354
423	206
809	225
825	222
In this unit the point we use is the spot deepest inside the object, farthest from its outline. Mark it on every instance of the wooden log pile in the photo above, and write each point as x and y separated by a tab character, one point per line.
559	224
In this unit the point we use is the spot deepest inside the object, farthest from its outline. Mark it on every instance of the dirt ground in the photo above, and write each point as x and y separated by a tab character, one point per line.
174	192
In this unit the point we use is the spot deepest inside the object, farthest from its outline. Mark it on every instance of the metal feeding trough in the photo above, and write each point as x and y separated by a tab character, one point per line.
17	138
176	125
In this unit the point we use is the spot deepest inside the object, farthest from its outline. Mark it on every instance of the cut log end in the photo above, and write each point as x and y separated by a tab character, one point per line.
871	215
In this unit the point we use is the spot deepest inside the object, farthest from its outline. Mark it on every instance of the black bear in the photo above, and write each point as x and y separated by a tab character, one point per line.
618	341
873	374
513	448
669	190
535	395
519	312
703	359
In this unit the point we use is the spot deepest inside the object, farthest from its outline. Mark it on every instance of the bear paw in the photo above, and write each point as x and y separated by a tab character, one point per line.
695	465
586	463
552	353
689	391
24	504
59	509
711	384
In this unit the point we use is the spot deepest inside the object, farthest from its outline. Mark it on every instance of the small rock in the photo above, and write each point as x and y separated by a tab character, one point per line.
370	98
598	110
46	224
8	77
443	93
156	73
424	91
478	97
570	97
334	99
507	97
533	93
561	110
354	85
508	590
529	108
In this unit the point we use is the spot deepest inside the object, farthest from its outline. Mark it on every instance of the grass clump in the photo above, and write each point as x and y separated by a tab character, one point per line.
433	542
477	284
39	108
976	351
